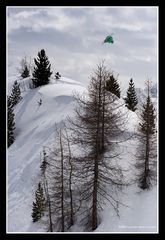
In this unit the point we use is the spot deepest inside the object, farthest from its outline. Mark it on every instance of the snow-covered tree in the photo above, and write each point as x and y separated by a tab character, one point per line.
112	85
15	96
131	99
41	73
146	151
11	123
39	204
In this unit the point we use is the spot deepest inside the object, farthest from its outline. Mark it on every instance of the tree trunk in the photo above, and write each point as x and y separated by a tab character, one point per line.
94	210
70	184
49	206
103	120
97	151
62	185
146	183
71	199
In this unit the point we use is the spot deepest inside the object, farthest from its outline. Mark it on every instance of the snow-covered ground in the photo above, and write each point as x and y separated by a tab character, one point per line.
35	126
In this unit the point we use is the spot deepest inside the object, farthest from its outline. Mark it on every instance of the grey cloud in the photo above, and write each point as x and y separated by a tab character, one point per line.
76	48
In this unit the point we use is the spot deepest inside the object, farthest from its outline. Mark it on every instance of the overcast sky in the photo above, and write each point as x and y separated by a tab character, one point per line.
72	38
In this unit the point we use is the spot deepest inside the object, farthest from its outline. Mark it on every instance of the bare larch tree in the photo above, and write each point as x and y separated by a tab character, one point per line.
97	121
60	174
43	167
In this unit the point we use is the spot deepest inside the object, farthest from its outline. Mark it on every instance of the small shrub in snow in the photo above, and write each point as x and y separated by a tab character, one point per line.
57	76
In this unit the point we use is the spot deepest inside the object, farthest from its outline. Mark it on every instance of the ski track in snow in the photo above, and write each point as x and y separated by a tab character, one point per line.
34	129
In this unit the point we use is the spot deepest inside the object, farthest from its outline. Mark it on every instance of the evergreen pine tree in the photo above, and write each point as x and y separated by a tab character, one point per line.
16	93
25	72
35	213
146	152
39	204
42	71
113	86
25	68
11	122
131	99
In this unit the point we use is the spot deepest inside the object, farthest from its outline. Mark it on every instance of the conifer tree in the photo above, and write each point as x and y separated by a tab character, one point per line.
146	152
41	73
131	99
11	123
113	86
39	204
16	93
25	68
25	72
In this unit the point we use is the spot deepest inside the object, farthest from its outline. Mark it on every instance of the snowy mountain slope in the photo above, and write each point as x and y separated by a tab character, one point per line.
34	129
35	126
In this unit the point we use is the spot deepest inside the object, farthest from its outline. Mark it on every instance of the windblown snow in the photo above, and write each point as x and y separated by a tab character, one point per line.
35	124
